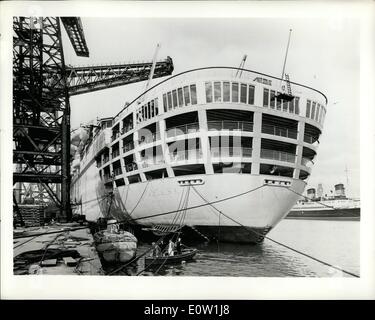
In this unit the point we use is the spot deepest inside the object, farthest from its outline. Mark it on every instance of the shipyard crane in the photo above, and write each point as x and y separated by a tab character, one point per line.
42	85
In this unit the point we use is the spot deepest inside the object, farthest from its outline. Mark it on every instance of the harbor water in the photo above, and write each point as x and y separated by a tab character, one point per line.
334	242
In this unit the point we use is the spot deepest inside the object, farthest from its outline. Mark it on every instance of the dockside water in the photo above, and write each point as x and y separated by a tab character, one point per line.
335	242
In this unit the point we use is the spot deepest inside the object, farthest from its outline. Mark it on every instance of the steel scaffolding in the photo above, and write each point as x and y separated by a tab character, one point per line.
42	84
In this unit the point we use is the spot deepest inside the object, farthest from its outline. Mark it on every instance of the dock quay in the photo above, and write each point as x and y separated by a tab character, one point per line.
56	249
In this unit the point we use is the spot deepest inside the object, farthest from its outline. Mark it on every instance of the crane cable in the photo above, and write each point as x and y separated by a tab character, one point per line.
277	242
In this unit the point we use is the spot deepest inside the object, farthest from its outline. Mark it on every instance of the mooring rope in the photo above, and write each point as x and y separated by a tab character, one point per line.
140	198
182	206
151	248
277	242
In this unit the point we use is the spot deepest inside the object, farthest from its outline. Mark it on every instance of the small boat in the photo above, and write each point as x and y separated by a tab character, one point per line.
187	254
115	245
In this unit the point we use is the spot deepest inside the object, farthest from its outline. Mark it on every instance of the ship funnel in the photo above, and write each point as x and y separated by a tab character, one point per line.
311	193
320	190
339	191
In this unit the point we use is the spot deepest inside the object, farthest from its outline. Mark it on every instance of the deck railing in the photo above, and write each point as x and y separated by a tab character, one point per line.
277	155
308	138
131	167
307	162
222	152
107	178
230	125
126	129
117	171
115	135
127	147
279	131
154	136
145	163
184	129
190	154
115	153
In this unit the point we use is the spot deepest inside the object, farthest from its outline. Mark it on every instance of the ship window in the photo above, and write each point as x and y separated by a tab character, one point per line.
134	178
232	167
291	106
143	113
174	98
317	112
156	174
226	91
180	97
193	90
120	182
208	92
303	175
165	104
308	106
139	116
189	170
243	93
321	114
265	97
313	110
234	92
187	96
272	99
296	105
156	107
169	101
285	105
251	94
245	167
276	170
152	108
278	102
149	108
217	91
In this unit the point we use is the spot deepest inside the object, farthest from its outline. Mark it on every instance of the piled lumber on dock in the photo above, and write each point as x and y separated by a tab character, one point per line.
32	215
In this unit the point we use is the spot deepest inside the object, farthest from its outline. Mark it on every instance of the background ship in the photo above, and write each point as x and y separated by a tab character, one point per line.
318	206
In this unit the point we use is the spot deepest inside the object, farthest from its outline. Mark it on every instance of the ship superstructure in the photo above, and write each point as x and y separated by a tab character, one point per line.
204	136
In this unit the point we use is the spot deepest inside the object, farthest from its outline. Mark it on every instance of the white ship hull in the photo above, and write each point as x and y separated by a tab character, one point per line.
244	218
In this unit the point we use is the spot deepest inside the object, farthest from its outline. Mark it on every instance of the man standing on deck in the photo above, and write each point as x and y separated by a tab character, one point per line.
178	246
156	250
171	248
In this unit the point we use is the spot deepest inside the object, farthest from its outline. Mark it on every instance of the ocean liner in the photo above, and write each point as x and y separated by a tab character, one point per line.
231	148
335	206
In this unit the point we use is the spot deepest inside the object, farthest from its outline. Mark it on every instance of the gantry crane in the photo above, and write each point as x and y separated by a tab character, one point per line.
42	85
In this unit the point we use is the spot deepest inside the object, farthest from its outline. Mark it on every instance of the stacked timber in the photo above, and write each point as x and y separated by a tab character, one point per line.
32	215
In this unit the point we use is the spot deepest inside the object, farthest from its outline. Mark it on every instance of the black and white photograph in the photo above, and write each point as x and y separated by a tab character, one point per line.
216	142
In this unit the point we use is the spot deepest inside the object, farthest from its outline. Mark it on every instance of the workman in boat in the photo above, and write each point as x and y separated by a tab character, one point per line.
156	250
171	247
178	246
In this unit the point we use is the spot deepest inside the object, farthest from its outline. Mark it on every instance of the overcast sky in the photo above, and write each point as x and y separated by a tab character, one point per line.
323	54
